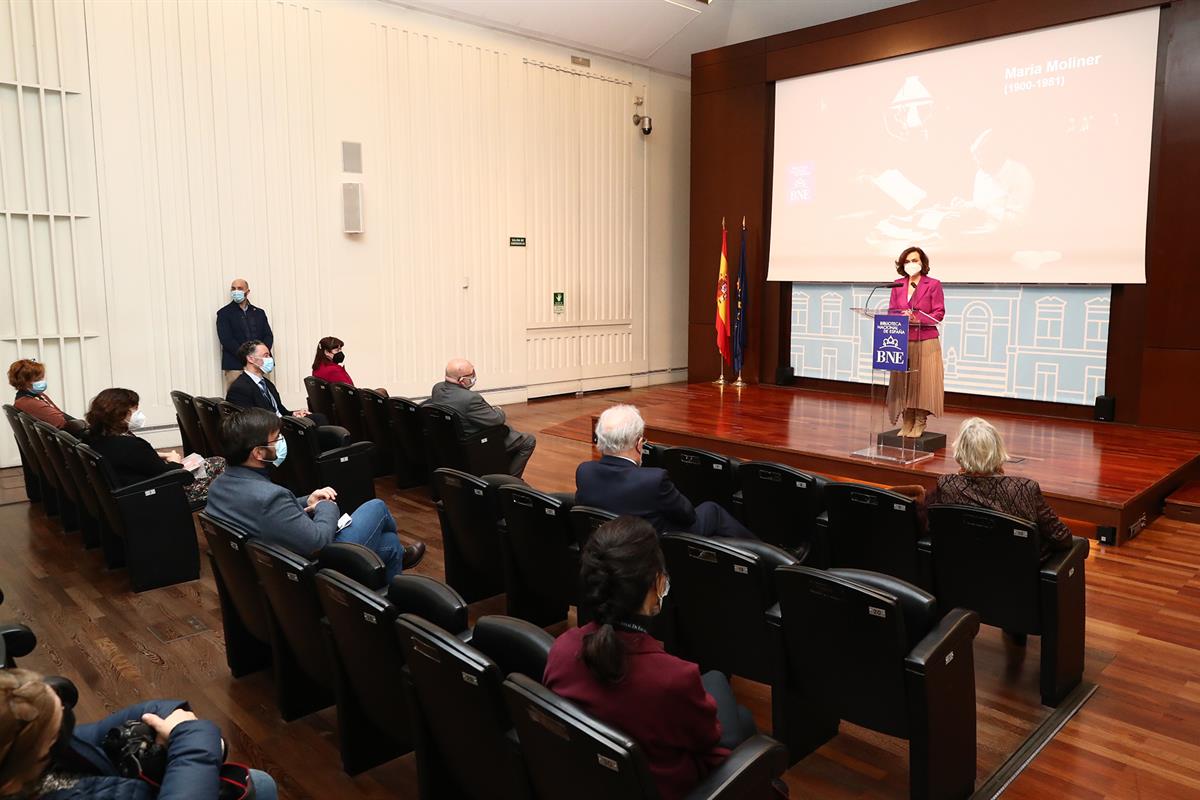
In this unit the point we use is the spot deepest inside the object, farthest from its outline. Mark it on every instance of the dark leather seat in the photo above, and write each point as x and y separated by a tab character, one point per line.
194	440
781	505
876	651
374	717
412	468
53	502
570	754
378	429
92	524
348	409
720	592
584	521
480	453
320	398
30	468
300	660
874	529
16	641
541	559
43	435
148	525
701	475
470	516
243	606
464	741
208	414
324	456
652	454
991	563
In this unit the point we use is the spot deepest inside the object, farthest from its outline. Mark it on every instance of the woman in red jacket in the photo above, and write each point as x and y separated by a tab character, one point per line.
327	364
616	671
918	393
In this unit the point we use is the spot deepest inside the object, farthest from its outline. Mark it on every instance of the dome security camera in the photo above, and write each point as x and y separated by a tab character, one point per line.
645	122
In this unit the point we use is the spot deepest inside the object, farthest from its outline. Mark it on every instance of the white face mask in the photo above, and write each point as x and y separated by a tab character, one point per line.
137	420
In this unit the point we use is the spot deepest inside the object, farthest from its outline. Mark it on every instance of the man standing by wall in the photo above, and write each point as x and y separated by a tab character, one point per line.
237	323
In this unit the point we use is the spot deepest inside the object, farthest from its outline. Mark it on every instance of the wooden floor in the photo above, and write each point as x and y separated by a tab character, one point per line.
1138	737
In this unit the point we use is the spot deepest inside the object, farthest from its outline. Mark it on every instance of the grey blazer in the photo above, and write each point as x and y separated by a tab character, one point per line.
247	498
477	414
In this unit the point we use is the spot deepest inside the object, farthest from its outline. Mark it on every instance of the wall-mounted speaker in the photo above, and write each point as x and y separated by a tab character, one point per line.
1106	408
352	157
352	208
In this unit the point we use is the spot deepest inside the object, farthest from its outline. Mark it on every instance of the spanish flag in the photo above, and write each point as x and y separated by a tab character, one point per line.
722	323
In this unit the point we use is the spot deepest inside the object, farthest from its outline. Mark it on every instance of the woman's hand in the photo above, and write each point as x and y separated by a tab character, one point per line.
172	457
163	727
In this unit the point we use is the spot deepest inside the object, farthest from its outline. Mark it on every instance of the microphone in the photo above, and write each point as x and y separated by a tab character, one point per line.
897	282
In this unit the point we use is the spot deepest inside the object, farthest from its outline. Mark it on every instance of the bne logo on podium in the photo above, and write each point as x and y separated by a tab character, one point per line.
891	342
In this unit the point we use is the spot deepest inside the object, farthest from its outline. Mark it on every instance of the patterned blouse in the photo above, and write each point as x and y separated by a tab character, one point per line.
1021	497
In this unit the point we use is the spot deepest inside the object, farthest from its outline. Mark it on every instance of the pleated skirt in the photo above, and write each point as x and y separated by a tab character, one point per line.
923	386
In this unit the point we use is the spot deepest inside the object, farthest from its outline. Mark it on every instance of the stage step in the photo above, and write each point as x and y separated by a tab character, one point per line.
1183	504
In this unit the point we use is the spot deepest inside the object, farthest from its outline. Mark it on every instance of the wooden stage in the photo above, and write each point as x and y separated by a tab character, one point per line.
1097	472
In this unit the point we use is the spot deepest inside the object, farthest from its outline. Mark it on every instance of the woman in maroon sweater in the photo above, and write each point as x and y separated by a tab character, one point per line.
327	363
616	671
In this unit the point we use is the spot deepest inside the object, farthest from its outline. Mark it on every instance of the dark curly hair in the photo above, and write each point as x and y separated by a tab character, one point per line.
904	255
108	415
619	564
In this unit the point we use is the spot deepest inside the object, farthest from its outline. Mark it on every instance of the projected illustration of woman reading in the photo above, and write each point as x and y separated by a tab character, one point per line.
917	394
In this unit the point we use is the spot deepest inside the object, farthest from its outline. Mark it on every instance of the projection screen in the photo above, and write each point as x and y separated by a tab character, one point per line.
1021	159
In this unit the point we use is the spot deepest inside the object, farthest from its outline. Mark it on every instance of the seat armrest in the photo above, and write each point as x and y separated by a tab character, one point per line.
19	640
488	434
514	644
747	772
330	436
180	477
936	651
356	562
769	554
1062	563
775	616
356	450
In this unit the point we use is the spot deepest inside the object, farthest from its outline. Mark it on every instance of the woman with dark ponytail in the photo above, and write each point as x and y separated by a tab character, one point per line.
616	671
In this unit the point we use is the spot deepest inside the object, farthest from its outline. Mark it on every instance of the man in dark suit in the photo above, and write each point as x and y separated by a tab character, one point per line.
478	414
253	390
619	483
237	323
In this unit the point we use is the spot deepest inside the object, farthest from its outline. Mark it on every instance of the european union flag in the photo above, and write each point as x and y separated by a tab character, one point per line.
739	313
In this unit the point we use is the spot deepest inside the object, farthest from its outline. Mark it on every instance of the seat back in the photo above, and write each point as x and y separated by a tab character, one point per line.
405	418
470	520
102	481
846	635
569	753
45	469
47	439
700	475
541	558
443	432
873	529
208	414
461	703
320	398
68	447
299	470
378	429
988	562
227	545
349	412
780	504
194	440
720	592
289	583
584	521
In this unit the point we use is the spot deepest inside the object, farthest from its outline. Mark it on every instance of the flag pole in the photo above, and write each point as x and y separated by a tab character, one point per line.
739	383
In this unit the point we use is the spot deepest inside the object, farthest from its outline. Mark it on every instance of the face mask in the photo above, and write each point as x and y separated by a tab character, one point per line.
280	451
338	358
238	295
137	421
268	364
38	387
467	383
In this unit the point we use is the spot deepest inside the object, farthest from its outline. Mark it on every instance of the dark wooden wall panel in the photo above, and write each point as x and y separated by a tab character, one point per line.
1154	345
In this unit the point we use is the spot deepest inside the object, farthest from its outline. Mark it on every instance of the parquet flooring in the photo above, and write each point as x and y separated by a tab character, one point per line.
1138	737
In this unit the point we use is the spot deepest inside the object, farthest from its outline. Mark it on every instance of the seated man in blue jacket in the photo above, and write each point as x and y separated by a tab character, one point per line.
619	483
245	496
48	757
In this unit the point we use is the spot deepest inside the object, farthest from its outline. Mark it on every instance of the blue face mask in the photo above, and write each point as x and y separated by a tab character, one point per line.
37	387
268	364
238	295
280	451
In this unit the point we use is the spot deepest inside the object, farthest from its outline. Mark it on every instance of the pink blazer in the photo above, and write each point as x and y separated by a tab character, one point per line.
929	299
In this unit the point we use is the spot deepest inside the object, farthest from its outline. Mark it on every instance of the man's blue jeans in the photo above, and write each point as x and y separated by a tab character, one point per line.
372	526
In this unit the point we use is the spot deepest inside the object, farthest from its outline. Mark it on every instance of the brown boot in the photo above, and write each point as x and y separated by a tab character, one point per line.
919	423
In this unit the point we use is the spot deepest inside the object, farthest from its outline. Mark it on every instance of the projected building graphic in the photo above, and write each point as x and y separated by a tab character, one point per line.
1031	342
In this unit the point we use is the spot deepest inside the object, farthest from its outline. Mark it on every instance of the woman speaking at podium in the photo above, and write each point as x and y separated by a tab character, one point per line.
917	394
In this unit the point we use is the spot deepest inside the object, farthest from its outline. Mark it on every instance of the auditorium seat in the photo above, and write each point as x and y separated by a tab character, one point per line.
701	475
320	398
30	470
464	743
348	409
324	456
470	517
874	529
52	500
781	505
148	525
991	563
651	454
570	754
247	632
16	641
541	559
584	521
377	429
876	651
374	717
91	520
300	660
64	482
720	592
194	440
412	468
480	453
208	413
